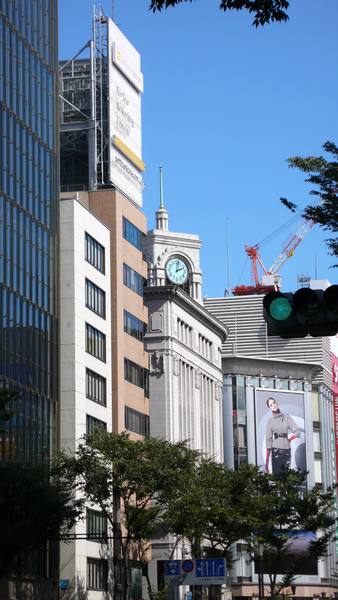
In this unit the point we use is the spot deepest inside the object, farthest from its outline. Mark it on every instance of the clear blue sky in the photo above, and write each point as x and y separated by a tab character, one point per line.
224	105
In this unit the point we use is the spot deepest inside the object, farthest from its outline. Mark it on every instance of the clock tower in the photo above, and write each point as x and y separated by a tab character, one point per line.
173	258
184	343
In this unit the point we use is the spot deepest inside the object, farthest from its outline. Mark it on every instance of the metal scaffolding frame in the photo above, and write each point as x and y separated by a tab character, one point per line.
84	104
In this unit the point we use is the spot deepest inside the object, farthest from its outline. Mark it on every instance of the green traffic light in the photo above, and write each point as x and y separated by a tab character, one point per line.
280	308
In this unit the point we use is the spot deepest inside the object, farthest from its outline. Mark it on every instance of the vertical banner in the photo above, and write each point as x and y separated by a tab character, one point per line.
125	85
280	430
335	419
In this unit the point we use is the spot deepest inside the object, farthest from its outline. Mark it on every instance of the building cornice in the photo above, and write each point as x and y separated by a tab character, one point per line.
191	306
269	367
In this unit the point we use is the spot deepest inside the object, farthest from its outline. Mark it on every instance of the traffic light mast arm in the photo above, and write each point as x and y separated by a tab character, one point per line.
290	247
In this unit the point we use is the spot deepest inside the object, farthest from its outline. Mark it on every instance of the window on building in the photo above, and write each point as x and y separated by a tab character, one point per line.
93	423
133	280
96	525
318	471
132	234
316	441
95	299
136	421
137	375
95	342
97	574
133	326
94	253
96	387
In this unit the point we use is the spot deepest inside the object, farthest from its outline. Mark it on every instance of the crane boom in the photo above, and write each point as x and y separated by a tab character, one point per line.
290	247
270	277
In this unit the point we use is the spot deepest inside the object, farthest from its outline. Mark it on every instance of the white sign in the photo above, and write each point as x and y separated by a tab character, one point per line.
125	136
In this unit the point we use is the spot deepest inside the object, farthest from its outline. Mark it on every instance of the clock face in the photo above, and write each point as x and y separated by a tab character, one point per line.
177	271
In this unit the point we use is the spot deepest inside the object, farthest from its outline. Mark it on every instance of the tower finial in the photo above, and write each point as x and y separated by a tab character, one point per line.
161	188
161	213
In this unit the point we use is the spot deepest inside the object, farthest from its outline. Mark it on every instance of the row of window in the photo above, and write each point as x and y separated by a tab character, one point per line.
137	375
184	332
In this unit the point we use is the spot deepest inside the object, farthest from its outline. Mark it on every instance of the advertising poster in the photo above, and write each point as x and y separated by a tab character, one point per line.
297	551
280	430
125	90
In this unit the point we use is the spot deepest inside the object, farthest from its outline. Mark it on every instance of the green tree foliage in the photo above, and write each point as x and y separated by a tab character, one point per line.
323	174
264	11
283	504
33	509
168	488
211	511
140	477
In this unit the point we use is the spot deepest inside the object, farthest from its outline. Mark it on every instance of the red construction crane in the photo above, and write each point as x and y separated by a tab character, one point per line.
270	279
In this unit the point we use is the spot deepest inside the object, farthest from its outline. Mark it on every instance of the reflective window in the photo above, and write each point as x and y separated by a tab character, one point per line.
132	234
137	375
95	342
93	423
136	421
94	253
95	299
133	326
96	387
133	280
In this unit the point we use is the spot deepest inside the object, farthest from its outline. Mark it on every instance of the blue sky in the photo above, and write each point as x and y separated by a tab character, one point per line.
224	105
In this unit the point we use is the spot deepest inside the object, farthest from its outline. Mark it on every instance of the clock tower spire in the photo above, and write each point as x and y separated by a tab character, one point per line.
161	213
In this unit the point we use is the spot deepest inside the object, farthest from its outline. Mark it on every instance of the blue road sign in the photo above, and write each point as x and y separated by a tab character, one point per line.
172	568
210	567
64	584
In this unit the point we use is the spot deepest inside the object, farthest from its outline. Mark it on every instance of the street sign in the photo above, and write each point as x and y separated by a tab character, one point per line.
208	571
64	584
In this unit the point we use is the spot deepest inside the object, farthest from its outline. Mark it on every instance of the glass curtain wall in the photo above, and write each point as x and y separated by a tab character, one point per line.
28	224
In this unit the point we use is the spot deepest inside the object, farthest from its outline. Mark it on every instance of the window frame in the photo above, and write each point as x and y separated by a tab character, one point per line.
132	234
133	280
96	294
98	341
98	381
93	423
136	421
140	327
101	574
95	253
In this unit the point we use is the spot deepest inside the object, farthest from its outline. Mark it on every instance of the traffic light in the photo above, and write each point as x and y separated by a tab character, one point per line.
305	312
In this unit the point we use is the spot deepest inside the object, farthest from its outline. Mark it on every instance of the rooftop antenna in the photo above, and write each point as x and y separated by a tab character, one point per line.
113	9
161	188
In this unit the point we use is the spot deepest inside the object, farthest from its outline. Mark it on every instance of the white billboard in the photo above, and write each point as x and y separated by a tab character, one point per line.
125	135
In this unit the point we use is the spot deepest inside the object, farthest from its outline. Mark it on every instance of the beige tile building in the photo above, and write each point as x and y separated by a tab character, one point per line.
129	315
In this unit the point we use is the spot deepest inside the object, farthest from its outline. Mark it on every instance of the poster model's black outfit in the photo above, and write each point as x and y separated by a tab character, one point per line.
277	441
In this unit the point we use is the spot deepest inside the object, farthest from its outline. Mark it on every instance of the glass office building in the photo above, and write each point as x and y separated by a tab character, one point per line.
28	224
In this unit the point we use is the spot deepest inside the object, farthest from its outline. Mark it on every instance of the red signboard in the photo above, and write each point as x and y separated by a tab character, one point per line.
335	403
